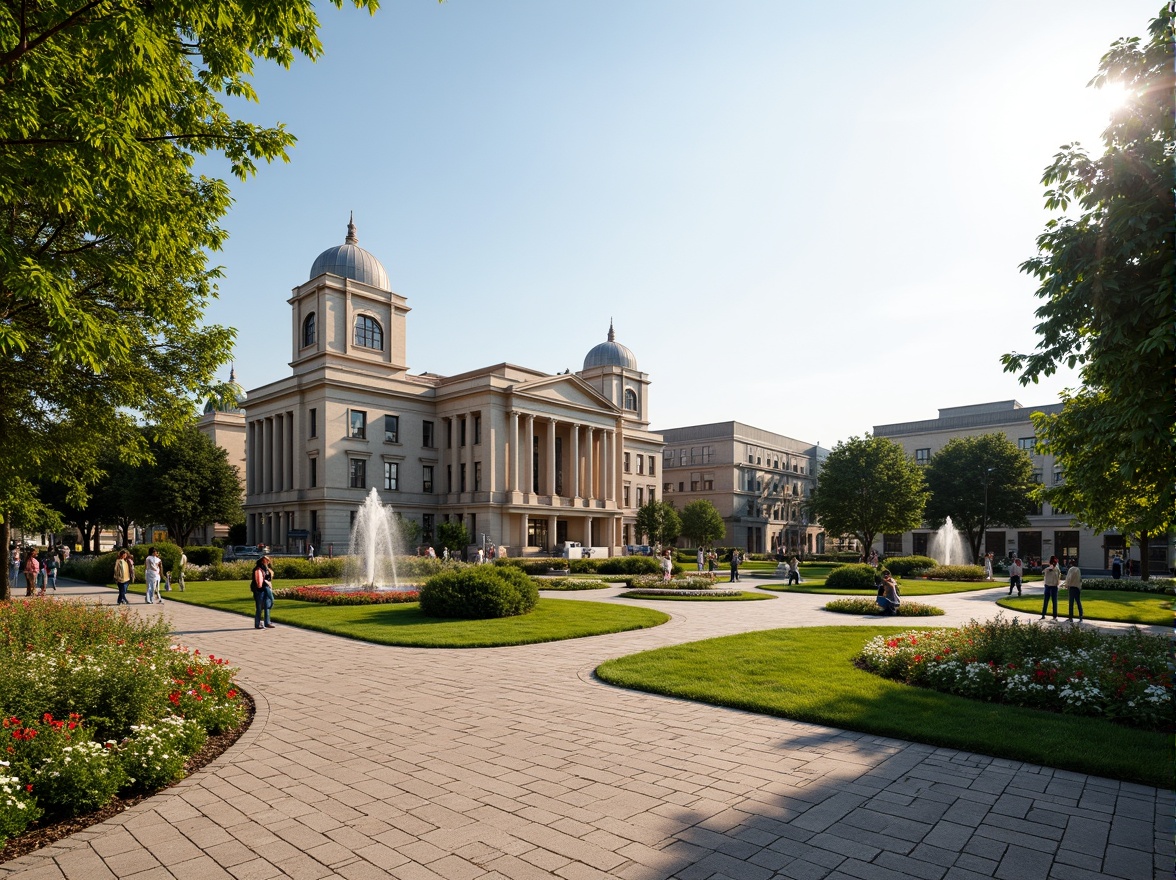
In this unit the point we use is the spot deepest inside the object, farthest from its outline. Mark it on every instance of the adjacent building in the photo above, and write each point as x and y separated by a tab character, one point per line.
1050	532
759	481
526	460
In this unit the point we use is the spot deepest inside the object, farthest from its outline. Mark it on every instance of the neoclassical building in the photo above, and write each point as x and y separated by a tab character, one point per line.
525	459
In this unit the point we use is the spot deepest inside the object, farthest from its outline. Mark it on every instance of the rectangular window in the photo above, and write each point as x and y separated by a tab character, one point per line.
449	478
477	430
652	463
313	476
892	545
357	424
652	494
1029	444
922	456
313	422
427	478
640	463
1037	475
640	496
627	465
427	528
391	429
473	525
682	457
461	435
427	435
668	458
358	469
708	453
391	476
477	476
667	487
681	487
461	487
625	494
449	433
1059	476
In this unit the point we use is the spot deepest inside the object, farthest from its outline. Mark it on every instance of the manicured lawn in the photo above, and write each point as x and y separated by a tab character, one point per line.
669	597
807	675
908	587
1142	608
405	626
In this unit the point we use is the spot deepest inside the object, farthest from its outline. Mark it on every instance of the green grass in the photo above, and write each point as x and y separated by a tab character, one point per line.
908	587
405	626
1145	609
669	597
807	674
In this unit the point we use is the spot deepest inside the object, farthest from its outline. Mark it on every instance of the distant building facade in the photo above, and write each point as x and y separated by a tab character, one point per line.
524	459
759	481
223	422
1050	532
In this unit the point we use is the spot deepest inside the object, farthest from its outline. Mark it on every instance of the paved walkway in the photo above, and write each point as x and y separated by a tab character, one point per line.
369	762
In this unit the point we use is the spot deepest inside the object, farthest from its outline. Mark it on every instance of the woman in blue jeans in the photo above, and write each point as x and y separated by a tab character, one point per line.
1052	576
262	586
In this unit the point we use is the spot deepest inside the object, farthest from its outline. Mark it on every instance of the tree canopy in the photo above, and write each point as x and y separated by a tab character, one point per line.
702	523
980	482
1106	267
104	274
659	522
868	486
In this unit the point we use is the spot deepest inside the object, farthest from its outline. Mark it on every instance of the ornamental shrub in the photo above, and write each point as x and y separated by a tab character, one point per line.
78	778
1131	585
154	755
857	576
955	573
204	555
479	592
905	566
18	809
863	605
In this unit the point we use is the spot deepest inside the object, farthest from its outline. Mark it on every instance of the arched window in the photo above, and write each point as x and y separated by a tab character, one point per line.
630	399
369	333
308	330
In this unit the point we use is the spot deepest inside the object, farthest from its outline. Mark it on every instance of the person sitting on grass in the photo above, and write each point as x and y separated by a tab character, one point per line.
888	593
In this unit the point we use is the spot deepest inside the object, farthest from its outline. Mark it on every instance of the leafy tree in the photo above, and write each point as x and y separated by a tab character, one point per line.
453	536
868	486
104	271
409	530
1103	488
980	482
1106	283
188	484
702	523
659	522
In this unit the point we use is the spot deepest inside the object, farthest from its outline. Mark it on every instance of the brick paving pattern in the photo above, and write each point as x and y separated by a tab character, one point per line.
486	764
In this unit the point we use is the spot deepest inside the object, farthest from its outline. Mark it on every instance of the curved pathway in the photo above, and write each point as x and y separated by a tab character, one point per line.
366	761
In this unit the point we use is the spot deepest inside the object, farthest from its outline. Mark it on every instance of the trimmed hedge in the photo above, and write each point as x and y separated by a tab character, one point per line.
862	605
539	565
479	592
857	575
1131	585
204	555
955	573
905	566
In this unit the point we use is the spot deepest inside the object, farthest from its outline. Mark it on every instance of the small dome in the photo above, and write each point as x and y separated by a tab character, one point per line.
229	397
610	354
349	260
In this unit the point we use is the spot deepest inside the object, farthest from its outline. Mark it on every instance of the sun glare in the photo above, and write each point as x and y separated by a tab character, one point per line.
1109	98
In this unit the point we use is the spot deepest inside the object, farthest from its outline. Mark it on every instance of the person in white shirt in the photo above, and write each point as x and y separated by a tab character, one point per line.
1015	572
152	573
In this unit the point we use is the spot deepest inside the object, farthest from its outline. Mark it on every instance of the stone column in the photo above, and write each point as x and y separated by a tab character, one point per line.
267	452
513	458
279	451
525	524
589	475
550	488
574	463
551	533
529	454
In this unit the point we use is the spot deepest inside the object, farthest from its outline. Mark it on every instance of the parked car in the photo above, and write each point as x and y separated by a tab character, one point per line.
243	551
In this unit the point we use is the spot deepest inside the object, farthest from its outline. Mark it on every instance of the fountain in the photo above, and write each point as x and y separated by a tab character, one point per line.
948	546
375	541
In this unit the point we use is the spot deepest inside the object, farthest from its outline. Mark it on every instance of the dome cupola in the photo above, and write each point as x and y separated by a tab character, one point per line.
349	260
610	354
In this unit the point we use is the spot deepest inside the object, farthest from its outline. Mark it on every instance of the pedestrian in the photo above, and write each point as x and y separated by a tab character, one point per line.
700	559
712	562
1074	588
872	560
794	572
50	568
888	597
183	565
1053	576
1016	570
14	561
262	587
430	552
152	574
32	567
988	566
1117	566
43	574
124	573
735	560
310	552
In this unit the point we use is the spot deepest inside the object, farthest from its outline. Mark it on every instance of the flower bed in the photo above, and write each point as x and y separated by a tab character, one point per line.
1131	585
334	596
858	605
689	582
95	702
1123	678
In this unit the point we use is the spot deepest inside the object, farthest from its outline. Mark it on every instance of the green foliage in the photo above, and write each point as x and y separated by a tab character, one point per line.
955	573
479	592
659	522
864	605
609	565
155	756
453	536
204	555
905	566
333	596
1106	277
169	553
1165	586
702	524
868	486
18	808
857	576
980	482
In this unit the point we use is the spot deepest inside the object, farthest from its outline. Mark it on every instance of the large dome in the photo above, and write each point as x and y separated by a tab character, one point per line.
610	354
349	260
228	398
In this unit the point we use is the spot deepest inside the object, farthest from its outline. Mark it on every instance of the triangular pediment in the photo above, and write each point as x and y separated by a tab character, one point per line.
566	390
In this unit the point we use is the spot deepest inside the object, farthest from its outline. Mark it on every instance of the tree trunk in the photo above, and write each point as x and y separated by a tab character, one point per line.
5	586
1144	562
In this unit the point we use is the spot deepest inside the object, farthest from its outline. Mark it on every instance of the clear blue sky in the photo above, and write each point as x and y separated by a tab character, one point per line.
804	216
